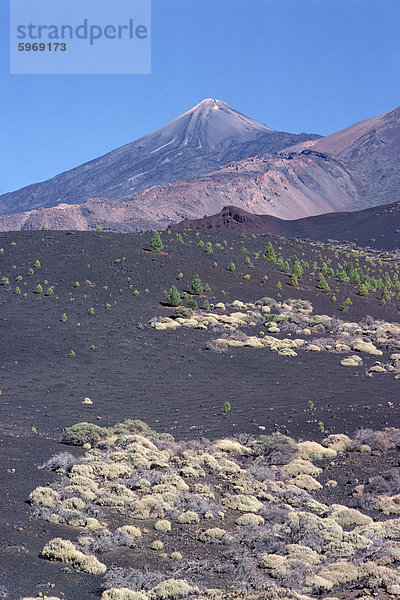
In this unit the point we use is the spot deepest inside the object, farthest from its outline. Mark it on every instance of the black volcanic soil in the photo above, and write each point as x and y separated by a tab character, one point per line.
377	227
166	378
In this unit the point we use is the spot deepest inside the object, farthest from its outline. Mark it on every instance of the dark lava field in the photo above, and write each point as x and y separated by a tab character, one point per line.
75	312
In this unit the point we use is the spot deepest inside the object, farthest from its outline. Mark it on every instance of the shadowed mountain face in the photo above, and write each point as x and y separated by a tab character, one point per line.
373	147
207	136
378	227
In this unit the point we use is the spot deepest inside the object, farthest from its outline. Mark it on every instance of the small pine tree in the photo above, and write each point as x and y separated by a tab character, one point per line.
363	290
209	248
269	253
197	287
226	408
279	286
323	284
206	305
174	298
192	303
385	295
156	243
297	269
232	266
293	280
346	305
285	267
39	289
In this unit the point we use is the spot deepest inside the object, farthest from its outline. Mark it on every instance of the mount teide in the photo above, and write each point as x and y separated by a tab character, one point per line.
207	136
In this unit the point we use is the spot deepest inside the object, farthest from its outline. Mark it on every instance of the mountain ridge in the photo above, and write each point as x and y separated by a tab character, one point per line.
378	227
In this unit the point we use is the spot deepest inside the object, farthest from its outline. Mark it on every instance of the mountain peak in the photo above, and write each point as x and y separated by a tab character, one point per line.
209	124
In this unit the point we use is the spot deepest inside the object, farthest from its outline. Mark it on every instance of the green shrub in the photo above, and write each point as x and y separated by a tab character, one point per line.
231	266
226	407
156	243
192	303
17	290
39	289
197	287
37	264
323	284
91	311
64	318
84	433
269	253
346	305
72	353
174	298
98	228
5	281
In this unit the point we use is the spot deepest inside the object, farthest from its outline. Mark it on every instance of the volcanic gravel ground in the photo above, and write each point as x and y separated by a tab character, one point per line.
166	378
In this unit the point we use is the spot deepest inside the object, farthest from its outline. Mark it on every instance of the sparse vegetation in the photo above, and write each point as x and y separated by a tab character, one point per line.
174	298
156	243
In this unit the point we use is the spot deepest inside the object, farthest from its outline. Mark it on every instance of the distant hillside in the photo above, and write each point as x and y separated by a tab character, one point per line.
378	227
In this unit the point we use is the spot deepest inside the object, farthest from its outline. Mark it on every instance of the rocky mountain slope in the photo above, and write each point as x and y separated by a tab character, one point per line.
282	185
373	147
200	140
378	227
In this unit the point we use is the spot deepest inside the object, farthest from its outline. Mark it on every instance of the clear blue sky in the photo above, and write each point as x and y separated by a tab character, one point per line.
295	65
